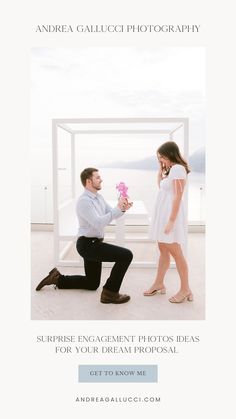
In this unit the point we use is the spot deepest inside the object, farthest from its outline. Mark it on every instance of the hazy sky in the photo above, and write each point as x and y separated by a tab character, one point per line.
109	82
117	82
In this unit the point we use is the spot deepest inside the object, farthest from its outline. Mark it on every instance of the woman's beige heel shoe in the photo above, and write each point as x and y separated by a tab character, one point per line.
181	298
190	297
158	291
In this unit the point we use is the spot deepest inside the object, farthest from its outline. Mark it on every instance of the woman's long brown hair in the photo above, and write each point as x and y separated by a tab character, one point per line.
171	151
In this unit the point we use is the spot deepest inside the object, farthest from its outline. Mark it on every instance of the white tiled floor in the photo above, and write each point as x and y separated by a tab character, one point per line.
51	304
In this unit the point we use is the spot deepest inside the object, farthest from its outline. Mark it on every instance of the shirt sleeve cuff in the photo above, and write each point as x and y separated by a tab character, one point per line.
116	212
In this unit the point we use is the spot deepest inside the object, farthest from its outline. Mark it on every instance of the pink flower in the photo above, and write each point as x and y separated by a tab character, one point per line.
122	189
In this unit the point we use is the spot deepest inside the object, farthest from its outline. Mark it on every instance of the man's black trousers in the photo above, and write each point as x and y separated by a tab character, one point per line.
94	251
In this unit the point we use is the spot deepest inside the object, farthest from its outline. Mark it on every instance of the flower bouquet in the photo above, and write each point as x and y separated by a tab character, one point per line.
122	190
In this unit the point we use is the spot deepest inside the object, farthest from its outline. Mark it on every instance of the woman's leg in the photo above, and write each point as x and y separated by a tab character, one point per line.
163	265
182	268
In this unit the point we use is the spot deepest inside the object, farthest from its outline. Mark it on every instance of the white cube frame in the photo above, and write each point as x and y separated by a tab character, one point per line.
68	124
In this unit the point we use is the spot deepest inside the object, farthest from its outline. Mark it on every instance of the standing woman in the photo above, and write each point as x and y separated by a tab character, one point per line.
169	224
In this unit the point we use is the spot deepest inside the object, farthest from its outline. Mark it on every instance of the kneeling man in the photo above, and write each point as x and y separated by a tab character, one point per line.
94	214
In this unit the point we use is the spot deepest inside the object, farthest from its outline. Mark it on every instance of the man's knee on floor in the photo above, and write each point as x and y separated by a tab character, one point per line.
128	254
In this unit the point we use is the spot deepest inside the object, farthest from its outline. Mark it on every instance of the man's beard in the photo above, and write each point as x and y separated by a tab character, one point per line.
97	187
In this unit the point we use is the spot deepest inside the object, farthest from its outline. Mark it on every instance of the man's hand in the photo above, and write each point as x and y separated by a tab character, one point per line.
123	204
128	205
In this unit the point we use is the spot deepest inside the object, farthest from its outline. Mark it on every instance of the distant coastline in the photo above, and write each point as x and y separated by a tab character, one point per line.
196	162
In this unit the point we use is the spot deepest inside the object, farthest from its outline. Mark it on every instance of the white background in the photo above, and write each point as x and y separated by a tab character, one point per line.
196	382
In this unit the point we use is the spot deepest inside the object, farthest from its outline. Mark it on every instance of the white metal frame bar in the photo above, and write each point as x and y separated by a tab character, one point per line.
62	123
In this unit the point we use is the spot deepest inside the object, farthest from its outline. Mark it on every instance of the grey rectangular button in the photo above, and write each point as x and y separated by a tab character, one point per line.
117	373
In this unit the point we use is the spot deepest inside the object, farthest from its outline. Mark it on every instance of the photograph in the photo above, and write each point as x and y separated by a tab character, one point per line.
118	183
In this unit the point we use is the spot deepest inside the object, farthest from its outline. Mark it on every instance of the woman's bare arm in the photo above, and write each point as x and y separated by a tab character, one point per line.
178	185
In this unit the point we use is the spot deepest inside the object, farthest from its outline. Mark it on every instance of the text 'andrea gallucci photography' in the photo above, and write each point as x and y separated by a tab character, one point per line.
119	28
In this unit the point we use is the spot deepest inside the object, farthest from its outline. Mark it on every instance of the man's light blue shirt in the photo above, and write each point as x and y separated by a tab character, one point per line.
94	214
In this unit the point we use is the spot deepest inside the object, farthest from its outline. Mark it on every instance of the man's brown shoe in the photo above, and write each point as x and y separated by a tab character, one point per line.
111	297
51	279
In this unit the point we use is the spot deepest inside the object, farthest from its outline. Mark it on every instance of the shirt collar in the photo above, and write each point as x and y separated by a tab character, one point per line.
90	194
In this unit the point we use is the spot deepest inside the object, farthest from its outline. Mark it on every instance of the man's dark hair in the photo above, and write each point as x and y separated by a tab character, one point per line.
87	174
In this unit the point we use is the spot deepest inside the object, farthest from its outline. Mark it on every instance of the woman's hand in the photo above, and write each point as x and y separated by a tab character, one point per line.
160	174
169	227
162	170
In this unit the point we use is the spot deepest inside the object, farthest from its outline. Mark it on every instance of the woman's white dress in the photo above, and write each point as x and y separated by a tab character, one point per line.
163	208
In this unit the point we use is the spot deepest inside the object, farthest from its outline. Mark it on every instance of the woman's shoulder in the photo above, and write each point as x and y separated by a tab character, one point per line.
178	171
